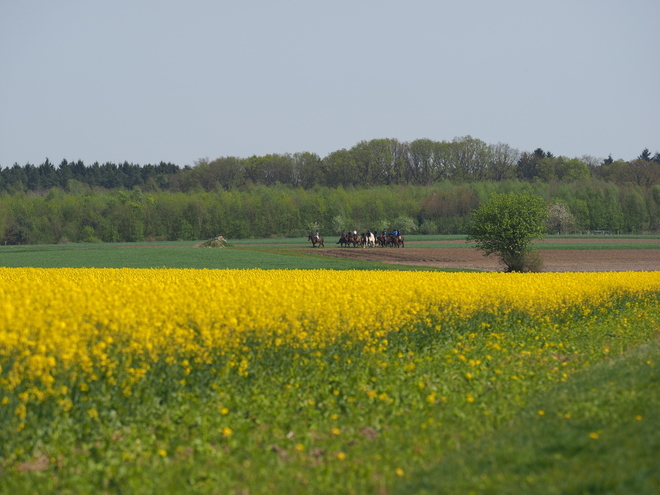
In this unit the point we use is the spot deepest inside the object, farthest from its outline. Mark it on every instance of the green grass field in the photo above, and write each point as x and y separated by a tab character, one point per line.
254	253
160	255
177	255
597	433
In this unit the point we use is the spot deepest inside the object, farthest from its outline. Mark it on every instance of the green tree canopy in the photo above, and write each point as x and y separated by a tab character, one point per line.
505	225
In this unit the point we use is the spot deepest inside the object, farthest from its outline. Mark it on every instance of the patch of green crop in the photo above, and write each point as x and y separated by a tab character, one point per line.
177	255
597	433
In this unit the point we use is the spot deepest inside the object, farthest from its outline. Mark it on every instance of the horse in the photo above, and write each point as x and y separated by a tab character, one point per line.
395	240
344	240
368	240
356	239
316	240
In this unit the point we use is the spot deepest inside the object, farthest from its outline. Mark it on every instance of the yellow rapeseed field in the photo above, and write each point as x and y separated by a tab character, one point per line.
55	322
227	381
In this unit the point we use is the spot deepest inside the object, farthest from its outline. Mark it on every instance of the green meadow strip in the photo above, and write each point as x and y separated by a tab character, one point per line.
597	433
598	246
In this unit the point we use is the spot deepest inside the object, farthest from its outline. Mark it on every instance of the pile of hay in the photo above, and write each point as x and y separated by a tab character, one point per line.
217	242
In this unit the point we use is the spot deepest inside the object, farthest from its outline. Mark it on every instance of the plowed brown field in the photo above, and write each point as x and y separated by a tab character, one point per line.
554	260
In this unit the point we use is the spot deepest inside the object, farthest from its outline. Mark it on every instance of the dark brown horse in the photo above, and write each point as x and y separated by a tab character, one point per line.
344	240
395	240
316	240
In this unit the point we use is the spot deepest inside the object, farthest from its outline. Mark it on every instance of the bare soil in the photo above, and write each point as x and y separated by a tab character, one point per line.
554	260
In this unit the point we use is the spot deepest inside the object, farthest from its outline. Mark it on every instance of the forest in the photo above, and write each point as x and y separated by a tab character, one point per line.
423	186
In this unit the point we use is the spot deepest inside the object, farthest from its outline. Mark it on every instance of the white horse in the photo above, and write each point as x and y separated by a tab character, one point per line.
369	240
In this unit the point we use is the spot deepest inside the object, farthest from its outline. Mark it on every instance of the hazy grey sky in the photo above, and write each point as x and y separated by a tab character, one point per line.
145	81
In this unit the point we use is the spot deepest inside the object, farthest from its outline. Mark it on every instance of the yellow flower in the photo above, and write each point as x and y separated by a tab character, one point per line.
341	456
21	411
335	431
162	452
68	330
226	431
399	472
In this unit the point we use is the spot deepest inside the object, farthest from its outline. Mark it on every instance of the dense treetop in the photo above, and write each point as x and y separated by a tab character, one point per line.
379	162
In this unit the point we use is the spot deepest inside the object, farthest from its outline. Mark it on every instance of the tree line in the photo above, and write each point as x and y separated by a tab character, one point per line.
70	175
374	163
258	211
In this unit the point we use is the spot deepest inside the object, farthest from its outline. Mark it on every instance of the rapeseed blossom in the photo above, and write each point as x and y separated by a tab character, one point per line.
63	330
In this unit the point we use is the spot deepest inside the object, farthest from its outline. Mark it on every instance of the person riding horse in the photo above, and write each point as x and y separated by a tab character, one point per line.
316	240
344	239
395	239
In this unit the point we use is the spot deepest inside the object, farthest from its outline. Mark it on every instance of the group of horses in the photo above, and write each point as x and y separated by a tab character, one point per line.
363	240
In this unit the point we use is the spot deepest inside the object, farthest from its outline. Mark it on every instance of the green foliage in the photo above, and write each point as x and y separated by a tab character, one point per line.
260	211
577	438
88	235
506	225
404	224
367	164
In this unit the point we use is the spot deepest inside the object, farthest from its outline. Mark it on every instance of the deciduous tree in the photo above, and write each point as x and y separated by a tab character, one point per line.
505	225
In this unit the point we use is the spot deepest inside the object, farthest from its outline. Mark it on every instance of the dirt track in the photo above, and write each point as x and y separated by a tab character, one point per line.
554	260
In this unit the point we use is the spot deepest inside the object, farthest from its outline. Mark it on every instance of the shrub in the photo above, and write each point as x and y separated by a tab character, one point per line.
505	225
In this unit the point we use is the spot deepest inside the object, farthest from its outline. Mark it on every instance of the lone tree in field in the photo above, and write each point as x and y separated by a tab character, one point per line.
505	225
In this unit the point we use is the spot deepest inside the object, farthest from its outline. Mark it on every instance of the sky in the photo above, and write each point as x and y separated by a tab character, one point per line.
146	81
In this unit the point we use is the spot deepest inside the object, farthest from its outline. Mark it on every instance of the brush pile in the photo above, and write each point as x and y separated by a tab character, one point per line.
216	242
